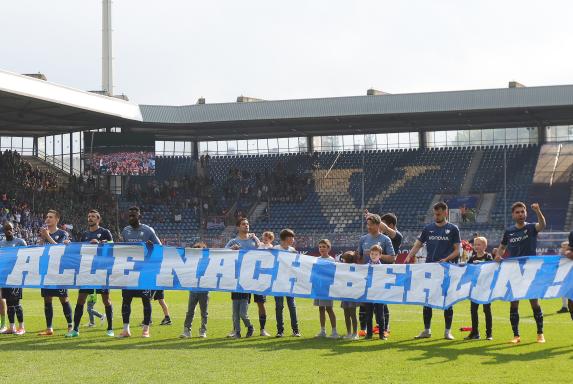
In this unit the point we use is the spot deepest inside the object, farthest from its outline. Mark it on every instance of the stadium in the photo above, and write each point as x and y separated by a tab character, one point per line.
311	165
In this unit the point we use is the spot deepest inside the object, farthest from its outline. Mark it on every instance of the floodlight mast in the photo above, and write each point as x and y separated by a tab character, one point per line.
107	68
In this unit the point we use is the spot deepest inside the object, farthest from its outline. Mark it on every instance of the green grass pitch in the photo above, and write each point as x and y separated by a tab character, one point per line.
164	358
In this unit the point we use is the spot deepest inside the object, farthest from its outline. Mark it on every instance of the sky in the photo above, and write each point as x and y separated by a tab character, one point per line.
175	51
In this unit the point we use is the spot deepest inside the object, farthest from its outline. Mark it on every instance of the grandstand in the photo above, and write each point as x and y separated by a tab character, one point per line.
312	165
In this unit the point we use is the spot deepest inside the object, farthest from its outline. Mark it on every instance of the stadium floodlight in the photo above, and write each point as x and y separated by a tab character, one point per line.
107	69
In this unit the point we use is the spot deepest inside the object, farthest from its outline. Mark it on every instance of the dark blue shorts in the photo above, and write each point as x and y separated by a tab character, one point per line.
127	293
260	298
12	293
54	292
98	291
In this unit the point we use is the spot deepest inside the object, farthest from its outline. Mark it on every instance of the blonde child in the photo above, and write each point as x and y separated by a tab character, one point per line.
373	309
480	255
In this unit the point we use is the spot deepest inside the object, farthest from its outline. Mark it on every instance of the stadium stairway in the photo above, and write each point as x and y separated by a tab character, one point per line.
63	177
257	211
472	170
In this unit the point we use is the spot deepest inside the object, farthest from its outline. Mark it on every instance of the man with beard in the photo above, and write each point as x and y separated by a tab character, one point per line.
521	240
137	232
94	235
442	240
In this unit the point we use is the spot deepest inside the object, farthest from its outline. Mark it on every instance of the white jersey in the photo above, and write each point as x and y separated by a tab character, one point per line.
289	249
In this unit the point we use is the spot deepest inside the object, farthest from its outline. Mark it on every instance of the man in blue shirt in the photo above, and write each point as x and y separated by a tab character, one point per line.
136	232
94	235
366	242
442	240
521	240
50	234
10	297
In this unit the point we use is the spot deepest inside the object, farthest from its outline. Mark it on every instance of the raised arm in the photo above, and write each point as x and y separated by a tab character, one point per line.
541	224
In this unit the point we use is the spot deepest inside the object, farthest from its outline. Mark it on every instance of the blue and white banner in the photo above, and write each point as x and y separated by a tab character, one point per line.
278	273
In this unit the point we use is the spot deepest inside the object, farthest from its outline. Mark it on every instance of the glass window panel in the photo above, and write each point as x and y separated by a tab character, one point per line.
50	145
212	147
414	140
178	150
242	147
57	144
252	146
66	149
381	141
404	139
358	143
5	143
283	145
393	142
510	135
76	142
347	142
159	148
17	144
263	145
232	147
202	147
317	143
476	137
27	145
499	136
293	144
487	136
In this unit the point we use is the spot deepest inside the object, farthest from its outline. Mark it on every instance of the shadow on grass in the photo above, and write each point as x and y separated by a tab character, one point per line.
430	351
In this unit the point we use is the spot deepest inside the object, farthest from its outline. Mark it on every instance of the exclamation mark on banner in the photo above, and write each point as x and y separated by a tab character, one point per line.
565	266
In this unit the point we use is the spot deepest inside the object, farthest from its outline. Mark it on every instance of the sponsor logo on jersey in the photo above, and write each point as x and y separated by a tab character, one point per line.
439	238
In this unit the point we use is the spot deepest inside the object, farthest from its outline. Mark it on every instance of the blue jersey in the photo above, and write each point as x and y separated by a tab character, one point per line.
143	233
521	241
100	234
243	244
367	241
59	236
15	242
439	241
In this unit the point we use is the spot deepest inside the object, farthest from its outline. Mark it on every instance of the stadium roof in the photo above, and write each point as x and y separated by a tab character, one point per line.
31	107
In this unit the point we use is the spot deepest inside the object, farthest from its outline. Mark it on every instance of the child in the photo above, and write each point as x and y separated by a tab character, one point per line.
267	243
480	255
241	312
349	307
325	306
372	308
286	244
268	238
92	313
201	298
